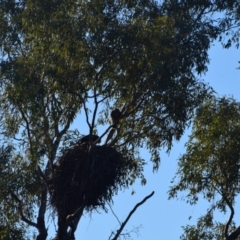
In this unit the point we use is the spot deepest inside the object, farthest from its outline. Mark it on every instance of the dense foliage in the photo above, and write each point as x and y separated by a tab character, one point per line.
62	58
211	167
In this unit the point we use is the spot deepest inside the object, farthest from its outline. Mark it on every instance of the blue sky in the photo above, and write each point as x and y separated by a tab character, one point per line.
160	218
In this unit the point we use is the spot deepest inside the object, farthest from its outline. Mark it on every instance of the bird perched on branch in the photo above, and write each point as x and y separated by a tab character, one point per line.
116	115
88	138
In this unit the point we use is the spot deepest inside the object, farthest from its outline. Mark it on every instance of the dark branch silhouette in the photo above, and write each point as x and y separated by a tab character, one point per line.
20	210
129	216
230	218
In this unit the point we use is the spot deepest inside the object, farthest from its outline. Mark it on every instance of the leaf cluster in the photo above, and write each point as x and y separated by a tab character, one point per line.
15	178
210	167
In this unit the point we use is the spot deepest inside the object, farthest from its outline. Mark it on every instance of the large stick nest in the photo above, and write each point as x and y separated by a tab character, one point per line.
83	177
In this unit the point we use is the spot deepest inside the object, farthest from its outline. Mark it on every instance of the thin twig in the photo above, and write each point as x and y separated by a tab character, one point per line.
86	114
114	214
103	99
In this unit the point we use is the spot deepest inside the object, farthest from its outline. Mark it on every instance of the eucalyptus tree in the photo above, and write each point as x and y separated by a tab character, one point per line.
211	168
62	58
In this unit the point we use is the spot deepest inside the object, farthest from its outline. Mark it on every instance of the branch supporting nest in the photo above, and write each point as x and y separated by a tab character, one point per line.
234	234
84	180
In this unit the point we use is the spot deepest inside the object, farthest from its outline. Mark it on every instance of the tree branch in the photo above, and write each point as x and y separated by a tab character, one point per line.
20	210
94	116
115	138
110	135
41	213
58	136
114	214
28	130
86	114
230	218
111	126
73	219
126	114
42	175
95	111
130	214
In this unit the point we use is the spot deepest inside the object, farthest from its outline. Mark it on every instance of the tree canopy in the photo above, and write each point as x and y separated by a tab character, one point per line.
210	167
62	58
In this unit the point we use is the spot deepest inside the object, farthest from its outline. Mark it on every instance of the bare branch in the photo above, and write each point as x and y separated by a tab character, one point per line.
43	204
106	131
130	214
103	99
115	139
114	214
41	213
94	113
20	210
86	114
58	138
230	218
64	130
110	135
